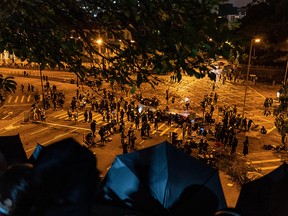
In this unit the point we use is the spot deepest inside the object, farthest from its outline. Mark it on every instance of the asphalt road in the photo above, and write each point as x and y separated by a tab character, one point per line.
57	125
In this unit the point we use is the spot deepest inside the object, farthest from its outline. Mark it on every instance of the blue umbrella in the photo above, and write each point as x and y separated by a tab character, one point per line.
163	179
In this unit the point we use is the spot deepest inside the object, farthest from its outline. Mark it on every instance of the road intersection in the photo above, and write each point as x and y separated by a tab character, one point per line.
58	126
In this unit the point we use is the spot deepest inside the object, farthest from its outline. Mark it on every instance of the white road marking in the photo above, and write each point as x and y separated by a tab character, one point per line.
153	132
264	161
164	131
39	131
9	99
57	137
257	92
270	130
268	168
9	114
68	126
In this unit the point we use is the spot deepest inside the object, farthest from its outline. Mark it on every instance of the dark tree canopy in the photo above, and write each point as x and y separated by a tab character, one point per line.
269	21
142	37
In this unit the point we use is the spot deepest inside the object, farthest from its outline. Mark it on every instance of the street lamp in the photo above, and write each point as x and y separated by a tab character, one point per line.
285	77
99	42
257	40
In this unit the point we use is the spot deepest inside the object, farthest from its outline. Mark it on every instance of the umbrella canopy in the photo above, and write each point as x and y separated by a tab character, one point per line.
163	180
32	159
266	195
12	149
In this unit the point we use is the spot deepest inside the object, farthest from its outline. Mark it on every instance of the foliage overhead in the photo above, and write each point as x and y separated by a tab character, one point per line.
143	37
269	21
7	85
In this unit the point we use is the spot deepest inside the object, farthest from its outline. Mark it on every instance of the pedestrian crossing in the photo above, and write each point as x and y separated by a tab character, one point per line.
264	165
163	128
16	99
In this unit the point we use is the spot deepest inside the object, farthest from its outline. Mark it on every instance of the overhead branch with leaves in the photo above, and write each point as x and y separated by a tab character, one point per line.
146	38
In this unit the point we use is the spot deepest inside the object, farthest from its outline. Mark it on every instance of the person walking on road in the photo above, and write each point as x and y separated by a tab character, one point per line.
250	121
85	116
93	127
76	116
124	142
69	112
101	132
90	114
245	146
156	123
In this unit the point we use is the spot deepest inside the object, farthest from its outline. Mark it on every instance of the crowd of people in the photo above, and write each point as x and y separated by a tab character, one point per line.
143	114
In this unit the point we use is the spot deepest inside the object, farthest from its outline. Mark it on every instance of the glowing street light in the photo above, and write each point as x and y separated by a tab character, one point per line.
256	40
99	41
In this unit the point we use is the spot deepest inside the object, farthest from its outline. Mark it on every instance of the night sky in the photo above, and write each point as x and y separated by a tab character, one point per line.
239	3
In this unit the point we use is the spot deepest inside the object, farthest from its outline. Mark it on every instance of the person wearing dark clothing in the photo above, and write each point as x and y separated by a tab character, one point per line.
122	114
156	123
85	116
90	114
102	135
245	146
263	130
14	182
169	119
250	121
69	182
143	131
132	141
234	145
124	142
205	147
148	128
121	126
244	124
137	122
93	127
200	146
73	104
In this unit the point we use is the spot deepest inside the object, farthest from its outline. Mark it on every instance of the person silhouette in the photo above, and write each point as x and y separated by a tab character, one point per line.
13	184
63	182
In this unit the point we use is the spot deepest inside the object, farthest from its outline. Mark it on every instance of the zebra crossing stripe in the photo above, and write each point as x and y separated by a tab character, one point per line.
268	167
16	99
264	161
9	99
60	116
99	119
176	129
153	132
164	131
